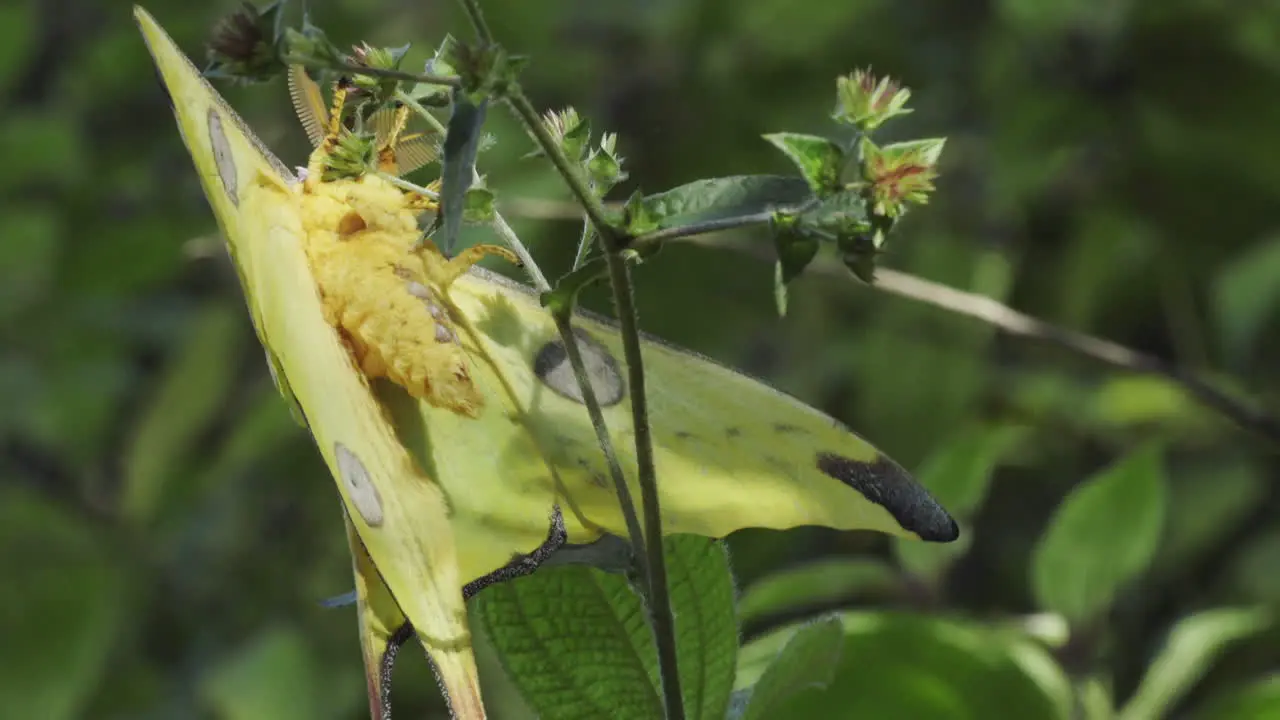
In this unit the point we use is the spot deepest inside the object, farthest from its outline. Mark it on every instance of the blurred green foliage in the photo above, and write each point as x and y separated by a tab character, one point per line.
167	531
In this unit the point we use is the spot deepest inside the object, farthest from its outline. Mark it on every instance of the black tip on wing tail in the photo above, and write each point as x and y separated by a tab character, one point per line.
886	484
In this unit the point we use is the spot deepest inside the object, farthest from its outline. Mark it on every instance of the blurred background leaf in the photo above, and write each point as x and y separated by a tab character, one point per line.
894	665
169	530
1102	536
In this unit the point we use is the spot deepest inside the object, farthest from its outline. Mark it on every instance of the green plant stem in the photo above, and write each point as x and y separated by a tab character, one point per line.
531	268
406	185
653	562
1245	414
574	353
591	204
594	411
472	9
676	232
417	107
423	78
659	594
589	399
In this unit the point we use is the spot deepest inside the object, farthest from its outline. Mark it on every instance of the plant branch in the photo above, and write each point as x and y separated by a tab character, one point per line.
1246	415
1020	324
417	107
406	185
659	593
653	561
677	232
591	204
422	78
589	398
572	350
472	9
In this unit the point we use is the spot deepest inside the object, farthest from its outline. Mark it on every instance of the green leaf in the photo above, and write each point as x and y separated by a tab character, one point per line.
28	269
1206	500
604	167
576	642
1259	701
275	677
702	596
431	94
18	37
562	299
1192	645
898	665
637	217
63	607
819	159
795	249
478	205
842	216
1246	295
457	164
726	197
194	387
814	583
1102	536
1252	572
1136	401
808	660
959	473
1093	697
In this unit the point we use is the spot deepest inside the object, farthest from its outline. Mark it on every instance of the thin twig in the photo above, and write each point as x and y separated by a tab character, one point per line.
650	555
579	366
408	186
421	78
1022	325
650	550
591	204
472	9
417	107
677	232
572	350
531	268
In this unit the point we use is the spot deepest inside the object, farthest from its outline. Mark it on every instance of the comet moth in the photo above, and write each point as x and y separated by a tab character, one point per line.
441	397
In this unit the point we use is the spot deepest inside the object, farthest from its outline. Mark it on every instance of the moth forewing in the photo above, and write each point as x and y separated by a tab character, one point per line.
400	515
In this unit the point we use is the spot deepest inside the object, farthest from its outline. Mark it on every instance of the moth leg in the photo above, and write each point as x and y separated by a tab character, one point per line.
315	167
458	266
387	152
522	565
386	666
418	201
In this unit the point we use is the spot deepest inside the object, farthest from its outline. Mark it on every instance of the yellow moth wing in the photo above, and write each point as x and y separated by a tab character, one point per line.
731	452
400	516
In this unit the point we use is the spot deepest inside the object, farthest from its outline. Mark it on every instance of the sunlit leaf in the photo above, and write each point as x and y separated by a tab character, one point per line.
808	661
1102	536
908	666
64	605
1192	645
576	642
